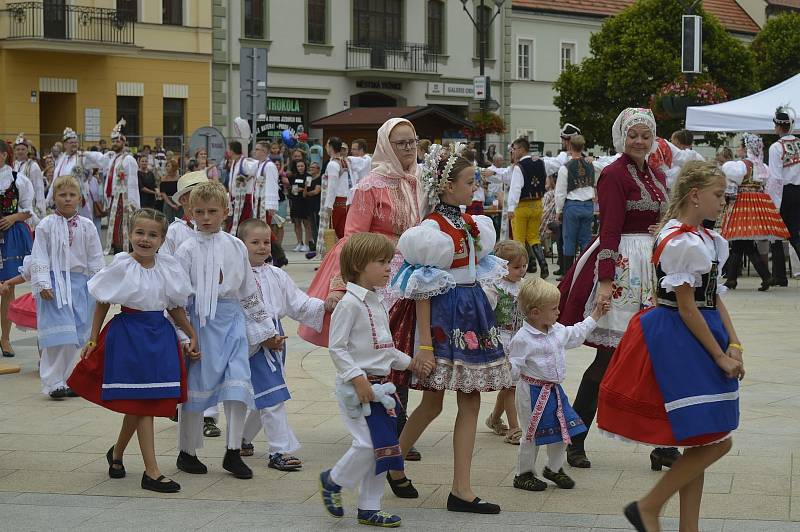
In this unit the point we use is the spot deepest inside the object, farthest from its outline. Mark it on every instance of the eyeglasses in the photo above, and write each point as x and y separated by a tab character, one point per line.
405	144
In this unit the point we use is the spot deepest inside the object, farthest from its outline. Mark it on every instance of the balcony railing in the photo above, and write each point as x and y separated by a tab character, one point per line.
398	57
53	20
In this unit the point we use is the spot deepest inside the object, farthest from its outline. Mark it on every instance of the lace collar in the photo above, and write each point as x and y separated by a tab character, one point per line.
452	214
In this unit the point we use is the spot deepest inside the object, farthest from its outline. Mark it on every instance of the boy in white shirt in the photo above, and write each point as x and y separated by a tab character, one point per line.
363	352
538	362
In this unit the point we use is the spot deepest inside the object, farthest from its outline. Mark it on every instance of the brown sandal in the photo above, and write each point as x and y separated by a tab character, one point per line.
513	436
496	425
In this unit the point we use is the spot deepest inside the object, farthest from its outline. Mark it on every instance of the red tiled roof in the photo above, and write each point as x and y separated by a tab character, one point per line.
729	12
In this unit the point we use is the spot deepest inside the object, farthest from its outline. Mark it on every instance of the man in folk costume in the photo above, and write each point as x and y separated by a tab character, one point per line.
242	185
567	132
76	163
23	164
525	201
783	186
266	197
121	190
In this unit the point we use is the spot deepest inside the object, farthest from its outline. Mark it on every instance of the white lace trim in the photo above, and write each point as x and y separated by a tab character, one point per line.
623	439
416	290
673	280
496	270
456	376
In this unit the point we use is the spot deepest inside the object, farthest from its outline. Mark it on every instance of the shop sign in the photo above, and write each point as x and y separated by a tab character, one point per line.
375	84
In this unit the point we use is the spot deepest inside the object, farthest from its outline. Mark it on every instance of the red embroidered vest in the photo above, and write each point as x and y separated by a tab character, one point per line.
459	237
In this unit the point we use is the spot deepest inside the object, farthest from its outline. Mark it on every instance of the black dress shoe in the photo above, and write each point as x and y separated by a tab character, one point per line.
634	518
191	464
114	472
476	506
8	354
69	392
772	282
156	485
402	488
663	457
233	463
58	393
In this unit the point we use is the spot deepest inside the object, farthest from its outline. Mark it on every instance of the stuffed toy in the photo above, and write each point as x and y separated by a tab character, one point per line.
383	394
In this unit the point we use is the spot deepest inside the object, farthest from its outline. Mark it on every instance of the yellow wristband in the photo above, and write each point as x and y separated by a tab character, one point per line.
737	346
426	348
91	343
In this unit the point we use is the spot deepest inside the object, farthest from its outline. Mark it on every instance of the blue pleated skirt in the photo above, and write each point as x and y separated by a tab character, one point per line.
223	371
16	245
549	429
65	325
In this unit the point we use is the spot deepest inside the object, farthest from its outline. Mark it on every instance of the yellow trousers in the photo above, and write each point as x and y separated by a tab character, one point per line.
526	221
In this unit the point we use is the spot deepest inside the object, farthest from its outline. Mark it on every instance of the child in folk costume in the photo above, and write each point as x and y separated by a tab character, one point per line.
65	254
135	365
685	353
539	362
24	164
459	347
228	315
182	229
121	190
16	206
281	297
502	295
363	352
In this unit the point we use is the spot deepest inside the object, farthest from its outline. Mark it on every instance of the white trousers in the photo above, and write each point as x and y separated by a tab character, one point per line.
190	427
275	422
56	366
528	451
357	467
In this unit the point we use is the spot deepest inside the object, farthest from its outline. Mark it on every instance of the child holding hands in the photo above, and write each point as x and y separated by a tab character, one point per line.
363	352
538	361
135	366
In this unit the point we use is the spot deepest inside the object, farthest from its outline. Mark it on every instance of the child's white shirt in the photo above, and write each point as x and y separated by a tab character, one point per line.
126	282
52	252
178	232
281	297
543	356
218	267
360	341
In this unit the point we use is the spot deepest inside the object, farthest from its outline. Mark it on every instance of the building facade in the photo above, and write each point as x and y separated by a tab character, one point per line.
544	36
326	56
87	63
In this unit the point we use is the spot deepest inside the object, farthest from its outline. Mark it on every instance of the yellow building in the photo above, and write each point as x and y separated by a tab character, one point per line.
86	63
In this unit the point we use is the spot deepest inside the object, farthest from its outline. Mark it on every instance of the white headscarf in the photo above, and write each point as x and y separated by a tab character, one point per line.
754	147
628	118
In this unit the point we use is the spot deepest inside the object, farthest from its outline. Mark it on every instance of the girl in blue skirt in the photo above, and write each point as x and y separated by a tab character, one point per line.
458	344
135	366
16	206
674	378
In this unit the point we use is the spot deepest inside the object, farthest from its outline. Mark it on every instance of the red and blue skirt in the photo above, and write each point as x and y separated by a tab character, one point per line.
136	368
662	387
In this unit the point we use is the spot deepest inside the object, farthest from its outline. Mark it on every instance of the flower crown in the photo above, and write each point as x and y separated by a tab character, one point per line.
434	181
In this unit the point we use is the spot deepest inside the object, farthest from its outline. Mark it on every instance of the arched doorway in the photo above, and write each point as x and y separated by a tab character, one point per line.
373	99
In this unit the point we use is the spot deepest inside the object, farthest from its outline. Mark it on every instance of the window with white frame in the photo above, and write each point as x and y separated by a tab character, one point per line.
525	59
567	54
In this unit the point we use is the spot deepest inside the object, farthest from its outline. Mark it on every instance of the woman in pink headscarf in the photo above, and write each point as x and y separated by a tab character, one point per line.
384	202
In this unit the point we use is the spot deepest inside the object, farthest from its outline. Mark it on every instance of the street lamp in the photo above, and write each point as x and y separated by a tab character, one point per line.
482	27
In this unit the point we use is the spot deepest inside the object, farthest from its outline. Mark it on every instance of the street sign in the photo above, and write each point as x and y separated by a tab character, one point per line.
211	139
492	105
250	103
479	84
250	70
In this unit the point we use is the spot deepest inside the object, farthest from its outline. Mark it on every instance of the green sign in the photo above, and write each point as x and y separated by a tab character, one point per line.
284	105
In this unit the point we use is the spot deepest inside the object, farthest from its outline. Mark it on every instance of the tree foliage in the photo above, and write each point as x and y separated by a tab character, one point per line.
777	49
634	54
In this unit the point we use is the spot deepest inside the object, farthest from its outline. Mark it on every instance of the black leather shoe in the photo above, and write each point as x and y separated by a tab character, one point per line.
156	485
476	506
233	463
778	282
634	518
69	392
191	464
59	393
402	488
663	457
114	472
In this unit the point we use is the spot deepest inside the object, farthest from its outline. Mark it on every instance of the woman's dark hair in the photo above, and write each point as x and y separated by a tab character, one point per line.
336	143
293	167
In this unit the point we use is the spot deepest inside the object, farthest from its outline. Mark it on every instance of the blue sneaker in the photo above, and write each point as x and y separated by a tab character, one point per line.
331	494
378	518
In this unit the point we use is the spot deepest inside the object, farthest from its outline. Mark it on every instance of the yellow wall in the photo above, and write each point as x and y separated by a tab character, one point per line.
97	77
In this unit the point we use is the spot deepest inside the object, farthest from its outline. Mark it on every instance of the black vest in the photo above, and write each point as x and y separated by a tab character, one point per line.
580	174
534	175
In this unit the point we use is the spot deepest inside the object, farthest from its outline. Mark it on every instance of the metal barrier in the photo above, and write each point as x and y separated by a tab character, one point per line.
40	20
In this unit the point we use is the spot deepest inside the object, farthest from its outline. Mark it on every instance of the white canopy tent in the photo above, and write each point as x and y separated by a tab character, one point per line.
752	113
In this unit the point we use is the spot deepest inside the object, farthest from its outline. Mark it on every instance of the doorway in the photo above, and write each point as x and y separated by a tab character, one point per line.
57	110
55	19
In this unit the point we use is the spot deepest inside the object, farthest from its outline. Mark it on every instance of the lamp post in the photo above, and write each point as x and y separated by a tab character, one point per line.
482	27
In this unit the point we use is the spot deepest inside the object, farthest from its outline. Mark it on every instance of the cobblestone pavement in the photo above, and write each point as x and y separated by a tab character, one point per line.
53	468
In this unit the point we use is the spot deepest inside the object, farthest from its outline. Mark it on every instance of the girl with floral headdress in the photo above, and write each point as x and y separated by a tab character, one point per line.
632	196
753	215
457	342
